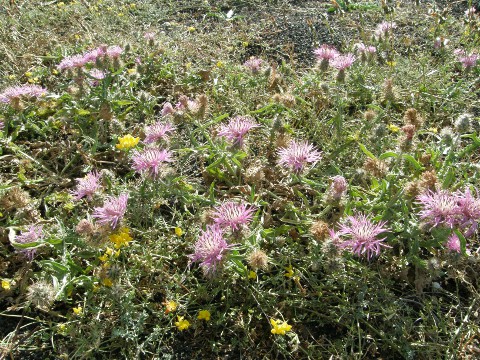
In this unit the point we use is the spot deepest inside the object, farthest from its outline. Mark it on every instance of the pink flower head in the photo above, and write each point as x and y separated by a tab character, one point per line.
297	155
468	211
469	61
97	75
33	234
338	187
342	62
113	52
470	12
237	128
325	52
87	186
151	161
253	64
360	234
92	55
210	249
157	131
12	94
439	208
112	211
150	35
167	109
233	215
72	62
453	243
2	125
384	28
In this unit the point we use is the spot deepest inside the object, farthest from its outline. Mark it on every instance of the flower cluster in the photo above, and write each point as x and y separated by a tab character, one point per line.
453	210
121	238
338	187
297	155
91	57
232	215
87	186
127	142
236	129
359	233
280	327
112	211
365	52
151	161
384	28
253	64
15	93
468	60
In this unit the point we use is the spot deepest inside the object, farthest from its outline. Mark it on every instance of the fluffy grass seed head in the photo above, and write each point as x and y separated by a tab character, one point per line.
233	215
297	155
112	211
359	233
258	259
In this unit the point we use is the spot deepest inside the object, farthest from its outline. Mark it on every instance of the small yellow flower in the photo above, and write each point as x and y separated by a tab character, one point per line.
245	43
280	327
204	315
28	74
127	142
6	284
433	129
60	4
393	128
107	282
220	64
182	324
78	310
290	272
133	6
191	29
132	71
61	328
77	37
11	77
391	63
103	258
178	231
120	14
170	306
121	238
252	275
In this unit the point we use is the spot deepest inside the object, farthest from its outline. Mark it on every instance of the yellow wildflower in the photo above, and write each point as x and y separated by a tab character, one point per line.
6	284
121	238
178	231
290	272
78	310
132	71
191	29
280	327
220	64
28	74
127	142
11	77
107	282
393	128
391	63
204	315
433	129
252	275
182	324
170	306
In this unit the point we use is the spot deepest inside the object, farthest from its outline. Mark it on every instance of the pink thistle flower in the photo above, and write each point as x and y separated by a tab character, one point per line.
150	35
157	131
469	61
459	52
13	94
325	52
233	215
112	211
72	62
167	109
342	62
361	235
92	55
87	186
113	52
33	234
439	208
210	249
453	243
254	65
237	128
470	12
97	75
384	28
151	160
297	155
469	211
338	187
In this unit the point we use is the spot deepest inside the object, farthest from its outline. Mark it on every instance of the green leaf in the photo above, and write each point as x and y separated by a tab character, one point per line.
366	152
463	241
412	161
387	155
